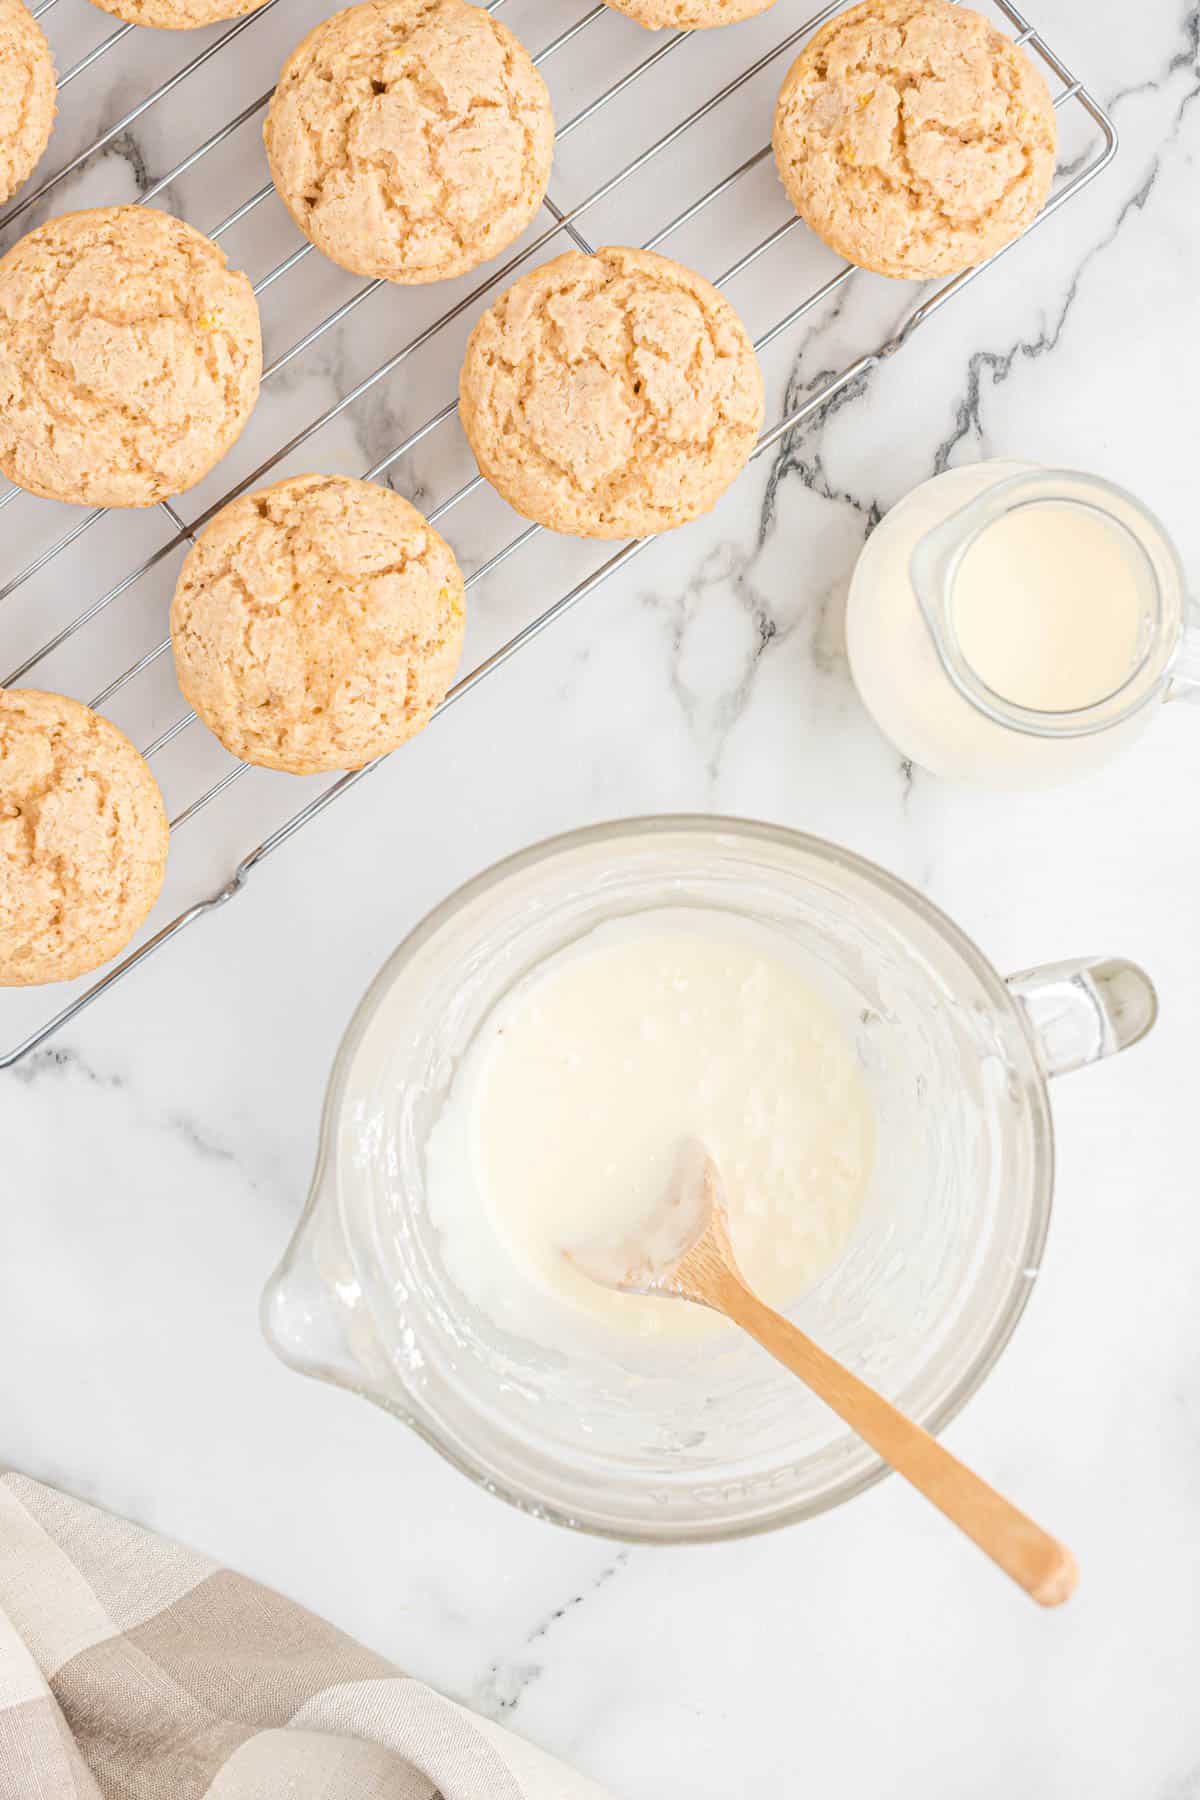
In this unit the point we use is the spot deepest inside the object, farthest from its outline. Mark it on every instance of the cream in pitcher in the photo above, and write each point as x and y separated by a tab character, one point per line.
1015	626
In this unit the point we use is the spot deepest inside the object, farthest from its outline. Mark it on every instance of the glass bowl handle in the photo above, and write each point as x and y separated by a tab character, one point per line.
1082	1010
1185	670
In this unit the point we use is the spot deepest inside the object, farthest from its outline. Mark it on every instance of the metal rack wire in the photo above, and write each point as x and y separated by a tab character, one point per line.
563	223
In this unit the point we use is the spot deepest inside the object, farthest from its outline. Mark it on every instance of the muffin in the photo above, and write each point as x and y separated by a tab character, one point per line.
317	624
130	357
83	838
914	137
689	15
612	396
410	139
178	15
27	95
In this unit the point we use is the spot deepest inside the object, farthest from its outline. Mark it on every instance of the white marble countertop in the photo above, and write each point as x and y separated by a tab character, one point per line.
157	1153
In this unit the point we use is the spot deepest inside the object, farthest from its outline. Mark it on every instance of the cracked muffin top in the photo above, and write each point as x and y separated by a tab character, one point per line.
410	139
27	95
612	395
317	623
130	357
83	838
178	15
914	137
689	15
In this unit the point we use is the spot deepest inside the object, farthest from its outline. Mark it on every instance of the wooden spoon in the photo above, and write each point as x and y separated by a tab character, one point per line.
686	1254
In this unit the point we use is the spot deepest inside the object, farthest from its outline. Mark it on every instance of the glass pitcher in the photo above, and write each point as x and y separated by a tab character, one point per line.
712	1440
915	673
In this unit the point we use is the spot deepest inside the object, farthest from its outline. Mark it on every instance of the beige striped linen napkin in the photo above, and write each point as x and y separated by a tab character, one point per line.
133	1669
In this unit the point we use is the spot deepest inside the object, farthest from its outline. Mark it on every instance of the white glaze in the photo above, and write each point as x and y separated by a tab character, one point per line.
564	1125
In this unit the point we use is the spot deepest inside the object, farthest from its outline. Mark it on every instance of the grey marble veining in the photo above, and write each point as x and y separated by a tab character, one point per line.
157	1155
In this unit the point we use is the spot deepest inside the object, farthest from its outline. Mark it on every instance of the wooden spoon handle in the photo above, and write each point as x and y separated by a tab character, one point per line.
1036	1561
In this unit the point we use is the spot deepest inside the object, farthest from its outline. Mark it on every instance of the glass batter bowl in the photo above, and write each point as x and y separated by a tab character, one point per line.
712	1439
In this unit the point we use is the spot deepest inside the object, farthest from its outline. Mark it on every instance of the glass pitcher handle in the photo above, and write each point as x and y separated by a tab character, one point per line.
1086	1009
1185	670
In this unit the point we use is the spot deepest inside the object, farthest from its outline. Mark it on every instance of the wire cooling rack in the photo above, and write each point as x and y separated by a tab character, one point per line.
41	569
